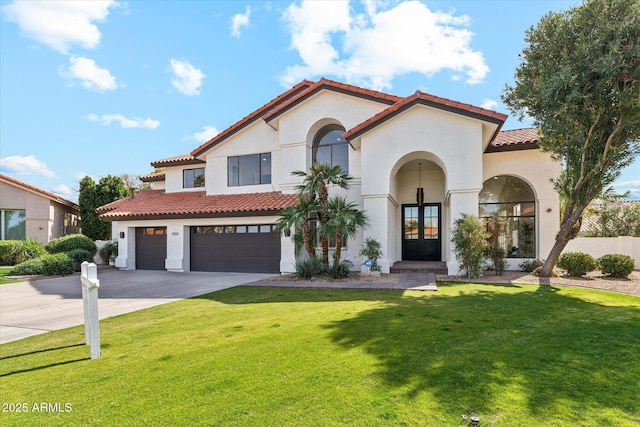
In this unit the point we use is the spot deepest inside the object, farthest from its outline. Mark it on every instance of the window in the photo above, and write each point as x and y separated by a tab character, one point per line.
514	203
193	178
315	235
232	229
13	225
330	147
253	169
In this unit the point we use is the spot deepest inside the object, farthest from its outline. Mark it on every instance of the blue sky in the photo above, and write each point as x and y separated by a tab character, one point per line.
105	87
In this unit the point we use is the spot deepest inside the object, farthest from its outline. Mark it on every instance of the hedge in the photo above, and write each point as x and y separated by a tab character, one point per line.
71	242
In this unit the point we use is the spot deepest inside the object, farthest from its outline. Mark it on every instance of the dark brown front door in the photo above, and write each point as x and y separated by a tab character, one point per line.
421	232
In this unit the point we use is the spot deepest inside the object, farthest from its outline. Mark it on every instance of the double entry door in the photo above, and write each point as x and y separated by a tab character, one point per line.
421	232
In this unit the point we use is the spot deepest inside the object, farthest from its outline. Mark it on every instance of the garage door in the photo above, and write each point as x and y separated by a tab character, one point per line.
240	248
151	248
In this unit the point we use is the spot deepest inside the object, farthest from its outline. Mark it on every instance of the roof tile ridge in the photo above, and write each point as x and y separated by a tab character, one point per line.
254	114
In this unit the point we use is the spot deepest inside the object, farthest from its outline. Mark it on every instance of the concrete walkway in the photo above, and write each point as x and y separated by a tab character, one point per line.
36	307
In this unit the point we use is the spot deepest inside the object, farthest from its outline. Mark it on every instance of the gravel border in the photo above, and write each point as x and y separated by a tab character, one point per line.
594	280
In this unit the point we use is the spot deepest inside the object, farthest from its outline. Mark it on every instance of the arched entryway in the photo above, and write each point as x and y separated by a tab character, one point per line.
419	187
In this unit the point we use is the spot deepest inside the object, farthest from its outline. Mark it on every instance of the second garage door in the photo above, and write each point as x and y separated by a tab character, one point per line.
235	248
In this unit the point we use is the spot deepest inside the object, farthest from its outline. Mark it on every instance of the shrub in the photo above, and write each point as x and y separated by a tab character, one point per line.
530	265
371	249
341	269
616	265
17	251
27	249
577	263
57	264
107	251
309	268
28	268
78	256
469	244
71	242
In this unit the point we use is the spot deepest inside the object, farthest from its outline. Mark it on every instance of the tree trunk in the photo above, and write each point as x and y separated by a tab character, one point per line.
307	241
325	250
568	230
338	247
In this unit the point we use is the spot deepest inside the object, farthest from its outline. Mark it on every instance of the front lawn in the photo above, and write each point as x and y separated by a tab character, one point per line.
4	271
512	355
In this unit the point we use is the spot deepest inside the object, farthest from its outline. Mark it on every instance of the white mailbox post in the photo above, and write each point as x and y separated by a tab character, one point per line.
90	285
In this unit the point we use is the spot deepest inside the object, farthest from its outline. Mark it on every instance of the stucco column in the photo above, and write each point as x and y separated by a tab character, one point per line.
464	201
126	259
380	211
177	245
287	255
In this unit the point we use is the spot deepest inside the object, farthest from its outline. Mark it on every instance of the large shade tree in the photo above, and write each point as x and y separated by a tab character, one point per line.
579	79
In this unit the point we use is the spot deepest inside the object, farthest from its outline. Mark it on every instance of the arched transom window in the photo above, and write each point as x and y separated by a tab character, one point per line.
330	147
513	201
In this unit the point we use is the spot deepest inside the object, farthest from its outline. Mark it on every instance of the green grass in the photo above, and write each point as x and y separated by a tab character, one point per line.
4	271
512	355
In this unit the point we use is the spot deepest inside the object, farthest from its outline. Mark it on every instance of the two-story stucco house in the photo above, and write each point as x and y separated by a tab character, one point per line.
214	209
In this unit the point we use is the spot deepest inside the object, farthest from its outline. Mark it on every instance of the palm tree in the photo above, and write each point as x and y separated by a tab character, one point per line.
297	217
316	183
345	219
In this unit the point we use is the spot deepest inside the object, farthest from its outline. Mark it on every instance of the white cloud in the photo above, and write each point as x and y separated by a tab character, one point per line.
374	47
79	175
240	20
91	76
489	104
125	122
207	133
633	187
26	165
62	190
60	24
187	79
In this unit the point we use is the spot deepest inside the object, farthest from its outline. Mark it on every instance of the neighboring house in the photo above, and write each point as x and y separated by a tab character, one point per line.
27	212
216	207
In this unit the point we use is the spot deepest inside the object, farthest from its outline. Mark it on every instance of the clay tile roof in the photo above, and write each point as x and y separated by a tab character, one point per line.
429	100
184	159
244	122
334	86
516	139
156	204
51	196
153	177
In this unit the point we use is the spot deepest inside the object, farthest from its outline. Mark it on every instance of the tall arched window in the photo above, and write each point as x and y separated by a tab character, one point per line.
514	203
330	147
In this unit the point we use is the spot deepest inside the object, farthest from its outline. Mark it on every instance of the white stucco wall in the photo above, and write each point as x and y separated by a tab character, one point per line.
599	246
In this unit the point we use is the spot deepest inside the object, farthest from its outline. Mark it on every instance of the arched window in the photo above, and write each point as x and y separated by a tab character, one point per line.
514	203
330	147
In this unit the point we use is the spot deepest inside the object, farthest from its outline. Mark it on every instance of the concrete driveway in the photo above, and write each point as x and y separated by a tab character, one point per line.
36	307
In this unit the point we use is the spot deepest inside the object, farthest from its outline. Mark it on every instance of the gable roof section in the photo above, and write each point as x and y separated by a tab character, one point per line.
181	160
326	84
157	204
31	188
516	139
153	177
246	121
422	98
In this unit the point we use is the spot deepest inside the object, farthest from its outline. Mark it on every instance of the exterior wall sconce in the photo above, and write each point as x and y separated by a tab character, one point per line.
549	210
420	190
122	234
287	232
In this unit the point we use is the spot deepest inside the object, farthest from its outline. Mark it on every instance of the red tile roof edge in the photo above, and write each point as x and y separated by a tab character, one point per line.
429	100
51	196
515	139
334	86
153	177
181	160
245	121
159	204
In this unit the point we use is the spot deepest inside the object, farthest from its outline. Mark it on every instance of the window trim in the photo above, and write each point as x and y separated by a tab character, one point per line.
184	178
263	177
